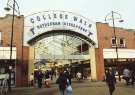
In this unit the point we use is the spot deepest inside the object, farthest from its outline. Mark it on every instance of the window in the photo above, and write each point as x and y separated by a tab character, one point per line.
121	42
114	41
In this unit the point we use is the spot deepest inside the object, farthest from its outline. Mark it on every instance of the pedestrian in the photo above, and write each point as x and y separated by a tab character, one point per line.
68	75
78	75
39	78
126	75
47	79
8	71
62	82
110	80
4	82
31	79
52	74
133	76
36	77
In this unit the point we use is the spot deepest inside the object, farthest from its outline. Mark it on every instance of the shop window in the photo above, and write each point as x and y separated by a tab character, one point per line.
114	41
121	42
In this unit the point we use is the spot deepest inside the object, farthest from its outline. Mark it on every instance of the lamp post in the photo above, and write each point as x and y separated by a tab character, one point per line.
113	18
7	8
12	27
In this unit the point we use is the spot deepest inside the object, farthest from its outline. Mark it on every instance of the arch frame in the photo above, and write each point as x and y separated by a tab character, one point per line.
90	42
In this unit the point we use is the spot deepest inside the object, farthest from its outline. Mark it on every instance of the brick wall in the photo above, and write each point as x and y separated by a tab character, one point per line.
6	29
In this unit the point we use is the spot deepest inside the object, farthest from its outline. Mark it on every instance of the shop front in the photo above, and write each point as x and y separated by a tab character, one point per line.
6	63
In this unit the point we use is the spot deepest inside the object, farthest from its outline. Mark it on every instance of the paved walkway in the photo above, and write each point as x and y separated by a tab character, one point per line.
81	88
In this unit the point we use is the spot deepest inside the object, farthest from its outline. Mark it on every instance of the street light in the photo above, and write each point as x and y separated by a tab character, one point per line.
113	18
7	8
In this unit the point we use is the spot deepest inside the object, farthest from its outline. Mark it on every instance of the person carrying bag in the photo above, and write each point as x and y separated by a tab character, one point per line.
62	82
68	88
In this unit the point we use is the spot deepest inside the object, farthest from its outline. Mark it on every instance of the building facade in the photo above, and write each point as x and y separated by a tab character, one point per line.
125	39
101	57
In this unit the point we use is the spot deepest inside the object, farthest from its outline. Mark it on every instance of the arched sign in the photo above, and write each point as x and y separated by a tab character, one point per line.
42	22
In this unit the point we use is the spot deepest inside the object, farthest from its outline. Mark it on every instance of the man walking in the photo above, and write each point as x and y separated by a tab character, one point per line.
62	82
110	80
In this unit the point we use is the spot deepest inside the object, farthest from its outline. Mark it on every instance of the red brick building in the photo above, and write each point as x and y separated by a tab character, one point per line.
125	39
19	52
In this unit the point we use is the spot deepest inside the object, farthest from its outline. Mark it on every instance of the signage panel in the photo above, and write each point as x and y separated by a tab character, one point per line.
59	20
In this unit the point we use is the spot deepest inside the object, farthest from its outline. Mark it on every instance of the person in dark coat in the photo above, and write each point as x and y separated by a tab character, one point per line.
62	82
110	80
68	76
47	79
133	76
39	78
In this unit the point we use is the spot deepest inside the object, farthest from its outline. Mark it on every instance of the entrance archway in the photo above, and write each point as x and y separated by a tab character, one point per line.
50	23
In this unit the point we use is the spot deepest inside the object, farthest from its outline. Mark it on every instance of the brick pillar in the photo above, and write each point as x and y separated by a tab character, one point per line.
97	64
18	75
31	61
93	64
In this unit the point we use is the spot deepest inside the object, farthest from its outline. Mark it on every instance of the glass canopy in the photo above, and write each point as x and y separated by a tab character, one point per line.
59	45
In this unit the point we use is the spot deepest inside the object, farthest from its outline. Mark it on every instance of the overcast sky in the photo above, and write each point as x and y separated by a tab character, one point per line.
95	10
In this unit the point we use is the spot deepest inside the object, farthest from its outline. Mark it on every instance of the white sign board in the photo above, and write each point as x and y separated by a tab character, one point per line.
122	53
59	20
5	52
